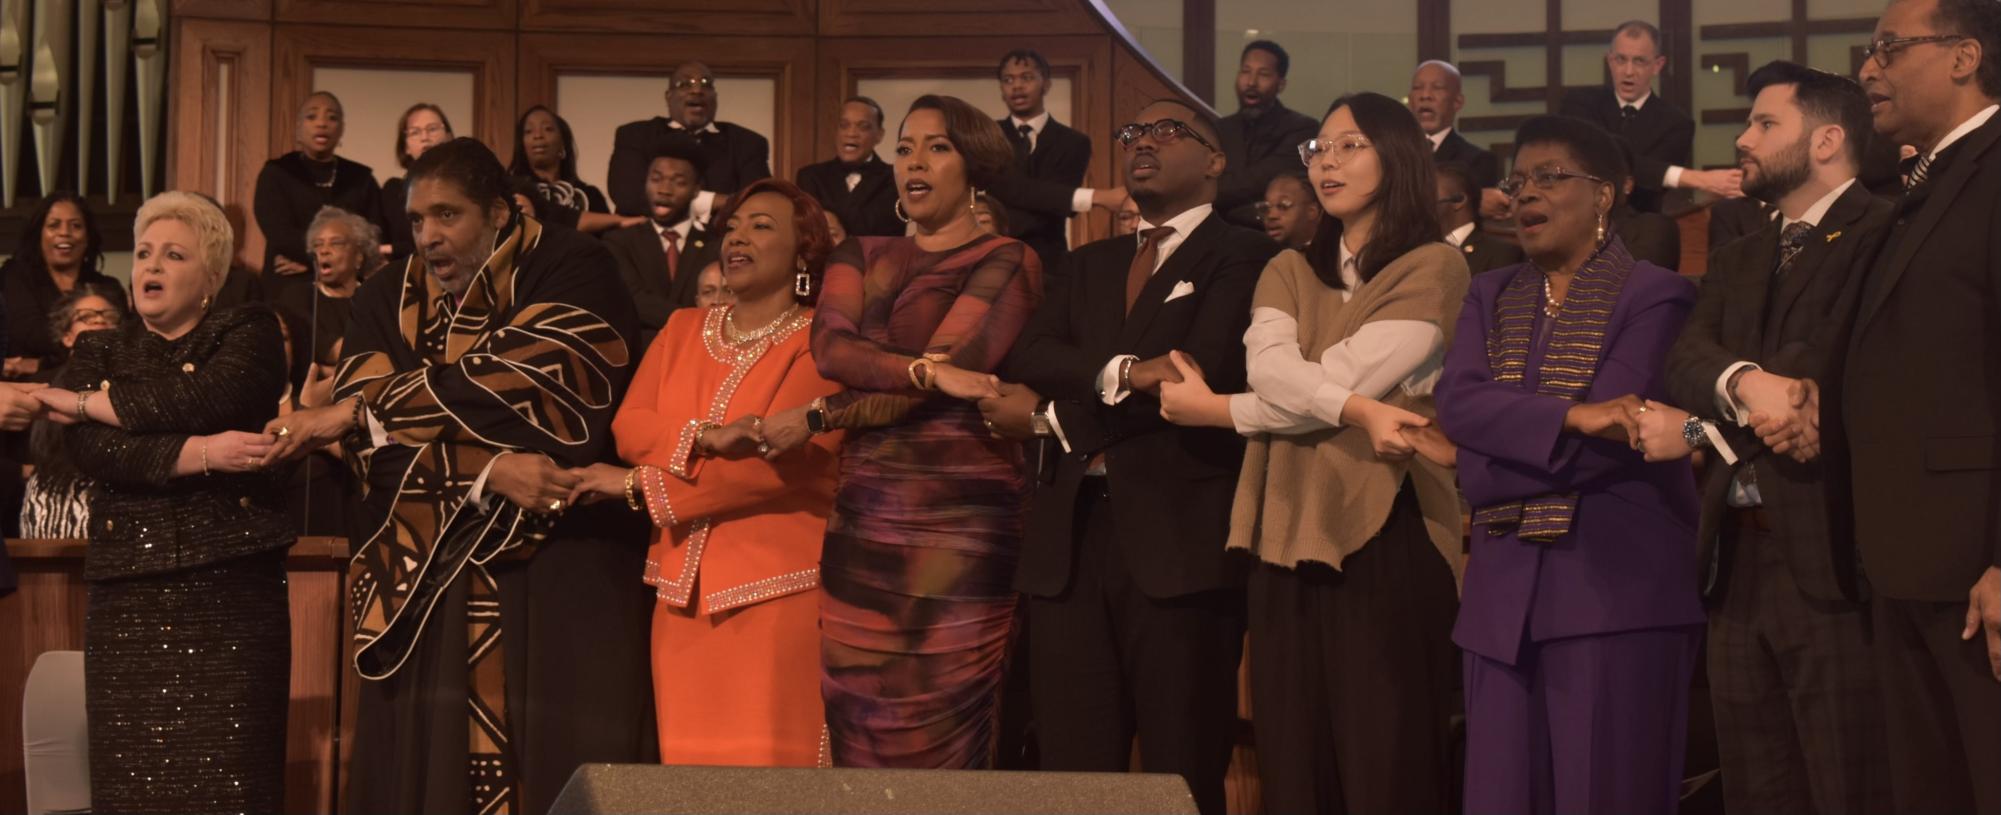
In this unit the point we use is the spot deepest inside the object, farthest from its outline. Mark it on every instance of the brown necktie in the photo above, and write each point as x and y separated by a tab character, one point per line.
1143	263
670	244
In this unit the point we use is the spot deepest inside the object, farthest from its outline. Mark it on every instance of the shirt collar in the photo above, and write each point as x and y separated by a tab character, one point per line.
1035	123
1637	104
1438	139
1456	237
1815	213
1964	128
1183	223
675	124
680	230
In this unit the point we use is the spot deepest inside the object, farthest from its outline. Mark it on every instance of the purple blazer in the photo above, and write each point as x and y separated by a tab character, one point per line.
1628	562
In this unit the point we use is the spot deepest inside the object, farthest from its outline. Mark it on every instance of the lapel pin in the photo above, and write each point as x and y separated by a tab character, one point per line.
1467	248
1832	235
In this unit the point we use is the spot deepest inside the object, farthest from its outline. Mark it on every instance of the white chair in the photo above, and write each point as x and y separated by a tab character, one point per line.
56	754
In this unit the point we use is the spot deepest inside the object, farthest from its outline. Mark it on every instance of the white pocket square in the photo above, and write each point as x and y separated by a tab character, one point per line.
1181	289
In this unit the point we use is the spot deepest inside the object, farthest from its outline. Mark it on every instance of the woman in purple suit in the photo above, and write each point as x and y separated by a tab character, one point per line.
1579	616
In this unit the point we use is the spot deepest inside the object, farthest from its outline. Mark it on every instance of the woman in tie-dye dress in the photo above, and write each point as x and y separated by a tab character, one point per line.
920	548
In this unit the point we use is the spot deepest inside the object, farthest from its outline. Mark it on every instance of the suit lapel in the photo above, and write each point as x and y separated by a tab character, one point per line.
1972	147
1751	287
865	187
1826	237
1154	294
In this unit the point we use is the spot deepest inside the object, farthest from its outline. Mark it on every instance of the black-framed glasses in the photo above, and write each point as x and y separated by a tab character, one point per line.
1165	131
1882	50
1342	149
692	83
1545	178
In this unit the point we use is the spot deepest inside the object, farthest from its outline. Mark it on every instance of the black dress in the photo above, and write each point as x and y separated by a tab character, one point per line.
290	191
395	224
565	202
187	641
29	295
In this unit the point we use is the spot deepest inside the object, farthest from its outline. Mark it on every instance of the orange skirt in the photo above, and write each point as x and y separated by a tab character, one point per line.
740	688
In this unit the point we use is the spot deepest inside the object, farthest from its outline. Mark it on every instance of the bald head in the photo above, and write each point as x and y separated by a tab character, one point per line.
1435	97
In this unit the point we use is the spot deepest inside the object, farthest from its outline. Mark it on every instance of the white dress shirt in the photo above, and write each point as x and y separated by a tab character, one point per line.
1438	139
1671	178
1457	237
1035	125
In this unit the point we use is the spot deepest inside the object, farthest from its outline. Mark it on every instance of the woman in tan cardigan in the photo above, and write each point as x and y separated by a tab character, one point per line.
1356	533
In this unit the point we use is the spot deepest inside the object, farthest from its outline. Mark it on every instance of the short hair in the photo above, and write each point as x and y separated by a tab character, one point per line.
357	227
1643	27
215	242
678	145
1979	20
988	154
468	165
863	100
1599	153
1456	174
1028	55
28	252
64	311
330	97
1825	98
1274	49
1296	178
808	222
994	208
1406	200
403	123
519	166
1198	116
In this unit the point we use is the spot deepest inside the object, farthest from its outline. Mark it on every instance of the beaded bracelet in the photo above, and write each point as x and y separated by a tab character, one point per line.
631	499
204	458
82	405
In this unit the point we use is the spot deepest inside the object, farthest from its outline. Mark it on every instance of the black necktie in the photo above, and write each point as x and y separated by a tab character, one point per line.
1627	113
1021	144
1791	240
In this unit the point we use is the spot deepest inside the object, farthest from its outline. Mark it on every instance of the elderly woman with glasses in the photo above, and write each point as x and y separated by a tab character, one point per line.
55	504
343	251
1579	616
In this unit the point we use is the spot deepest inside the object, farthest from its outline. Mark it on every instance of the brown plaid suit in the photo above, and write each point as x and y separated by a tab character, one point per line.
1798	716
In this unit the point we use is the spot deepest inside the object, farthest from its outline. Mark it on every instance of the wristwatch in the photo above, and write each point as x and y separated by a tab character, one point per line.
1038	422
816	416
1691	432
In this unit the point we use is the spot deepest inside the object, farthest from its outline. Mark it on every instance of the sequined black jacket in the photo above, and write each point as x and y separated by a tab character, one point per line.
225	374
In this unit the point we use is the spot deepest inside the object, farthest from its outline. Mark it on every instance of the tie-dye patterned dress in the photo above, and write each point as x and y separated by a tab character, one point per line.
917	606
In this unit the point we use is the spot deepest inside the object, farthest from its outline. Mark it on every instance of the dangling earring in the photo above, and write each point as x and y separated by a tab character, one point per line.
899	211
204	302
973	203
1601	229
802	285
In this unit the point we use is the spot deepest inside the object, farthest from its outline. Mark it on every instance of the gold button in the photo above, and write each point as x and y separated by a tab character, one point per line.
187	367
244	502
104	385
110	524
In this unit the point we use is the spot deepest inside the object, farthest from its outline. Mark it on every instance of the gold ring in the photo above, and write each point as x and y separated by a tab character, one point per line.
556	505
284	430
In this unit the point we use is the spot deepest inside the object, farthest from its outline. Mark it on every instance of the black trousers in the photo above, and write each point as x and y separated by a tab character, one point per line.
1354	677
1799	717
1942	706
1108	662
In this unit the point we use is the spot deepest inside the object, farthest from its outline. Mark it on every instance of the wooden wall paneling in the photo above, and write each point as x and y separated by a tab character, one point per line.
759	17
221	9
788	61
461	14
219	125
489	55
928	18
1198	48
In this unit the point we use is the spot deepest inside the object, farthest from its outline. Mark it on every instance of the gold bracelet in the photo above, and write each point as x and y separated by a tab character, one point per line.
204	457
700	429
632	500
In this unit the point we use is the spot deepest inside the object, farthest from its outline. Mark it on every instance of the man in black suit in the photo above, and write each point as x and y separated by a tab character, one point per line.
1436	99
1459	219
856	185
1262	138
1799	718
1661	135
1913	409
661	260
735	156
1135	613
1737	217
1049	161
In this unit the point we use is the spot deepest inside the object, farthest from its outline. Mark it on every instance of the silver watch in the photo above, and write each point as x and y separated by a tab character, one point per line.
1691	432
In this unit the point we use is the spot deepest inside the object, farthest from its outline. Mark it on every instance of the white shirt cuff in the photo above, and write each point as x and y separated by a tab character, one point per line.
1719	444
1672	178
377	436
1328	400
1109	389
477	497
1056	428
702	208
1080	201
1725	405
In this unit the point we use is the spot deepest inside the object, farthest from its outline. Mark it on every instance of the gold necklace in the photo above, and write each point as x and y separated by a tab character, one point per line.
736	337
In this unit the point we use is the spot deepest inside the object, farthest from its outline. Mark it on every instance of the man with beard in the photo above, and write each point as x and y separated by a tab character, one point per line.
1135	611
661	259
1435	99
856	186
1262	138
1910	417
1799	721
735	155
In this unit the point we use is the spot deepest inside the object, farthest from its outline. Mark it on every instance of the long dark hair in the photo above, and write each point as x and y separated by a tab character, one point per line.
1406	201
519	166
28	253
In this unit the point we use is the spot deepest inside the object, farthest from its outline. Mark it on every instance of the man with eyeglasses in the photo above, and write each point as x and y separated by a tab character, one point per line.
1662	136
1913	403
1260	137
1135	612
1799	722
1290	211
1458	216
736	156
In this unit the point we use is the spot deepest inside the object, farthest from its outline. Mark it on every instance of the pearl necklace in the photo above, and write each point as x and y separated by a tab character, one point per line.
1550	305
736	337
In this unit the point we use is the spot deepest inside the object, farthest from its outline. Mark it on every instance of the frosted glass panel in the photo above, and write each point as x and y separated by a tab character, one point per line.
1157	26
374	99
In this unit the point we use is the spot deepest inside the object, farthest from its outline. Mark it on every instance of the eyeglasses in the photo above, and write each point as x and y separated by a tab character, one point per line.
427	130
1545	178
1882	50
692	83
1343	149
1283	206
94	315
1165	131
330	243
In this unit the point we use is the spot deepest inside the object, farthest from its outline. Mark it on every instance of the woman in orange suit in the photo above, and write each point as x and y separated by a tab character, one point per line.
736	547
